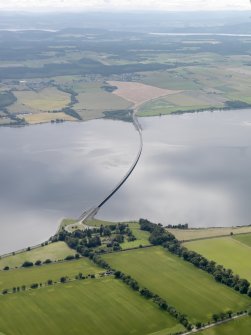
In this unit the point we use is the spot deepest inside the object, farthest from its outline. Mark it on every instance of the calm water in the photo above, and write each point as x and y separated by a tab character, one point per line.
195	168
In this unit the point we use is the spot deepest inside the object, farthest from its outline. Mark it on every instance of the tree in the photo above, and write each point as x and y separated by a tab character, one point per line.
27	264
34	285
38	262
63	280
49	282
47	261
69	258
198	325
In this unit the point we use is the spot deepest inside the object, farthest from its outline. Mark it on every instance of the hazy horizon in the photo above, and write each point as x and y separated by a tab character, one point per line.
123	5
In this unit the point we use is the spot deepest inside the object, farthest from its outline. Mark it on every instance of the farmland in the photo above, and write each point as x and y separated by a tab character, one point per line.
42	273
93	100
191	291
94	306
204	233
47	99
142	237
230	252
239	326
138	93
160	75
244	238
47	117
53	251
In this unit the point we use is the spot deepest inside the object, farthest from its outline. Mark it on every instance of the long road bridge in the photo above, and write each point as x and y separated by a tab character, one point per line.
89	214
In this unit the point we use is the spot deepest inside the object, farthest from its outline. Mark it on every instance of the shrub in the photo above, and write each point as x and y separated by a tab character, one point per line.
69	258
27	264
47	261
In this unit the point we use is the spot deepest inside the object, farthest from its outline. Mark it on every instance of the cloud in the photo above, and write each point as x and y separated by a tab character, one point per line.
126	4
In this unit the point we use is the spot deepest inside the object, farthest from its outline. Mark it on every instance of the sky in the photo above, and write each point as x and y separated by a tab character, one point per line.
117	5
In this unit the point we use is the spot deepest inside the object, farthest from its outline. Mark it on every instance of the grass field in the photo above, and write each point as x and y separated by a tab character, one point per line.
200	233
192	291
183	101
98	223
46	117
53	251
40	274
240	326
90	307
228	251
244	238
48	99
141	236
165	107
66	222
93	100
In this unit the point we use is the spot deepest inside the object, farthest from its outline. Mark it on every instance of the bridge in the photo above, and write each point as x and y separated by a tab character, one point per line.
90	213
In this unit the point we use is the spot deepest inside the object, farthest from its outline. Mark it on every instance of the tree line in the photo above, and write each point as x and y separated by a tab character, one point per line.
160	236
143	291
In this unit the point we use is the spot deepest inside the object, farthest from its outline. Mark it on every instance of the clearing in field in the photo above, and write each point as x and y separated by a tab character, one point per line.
232	253
54	251
240	326
48	99
90	307
142	237
139	93
46	117
204	233
192	291
41	274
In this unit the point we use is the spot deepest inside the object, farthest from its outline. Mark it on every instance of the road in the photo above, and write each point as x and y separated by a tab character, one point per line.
90	213
194	331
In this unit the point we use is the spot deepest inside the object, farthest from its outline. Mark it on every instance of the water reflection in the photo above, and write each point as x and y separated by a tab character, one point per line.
195	168
53	171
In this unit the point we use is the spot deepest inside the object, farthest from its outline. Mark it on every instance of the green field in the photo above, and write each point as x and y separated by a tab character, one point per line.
141	236
244	238
48	99
93	100
98	223
203	233
192	291
90	307
231	252
53	251
240	326
40	274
